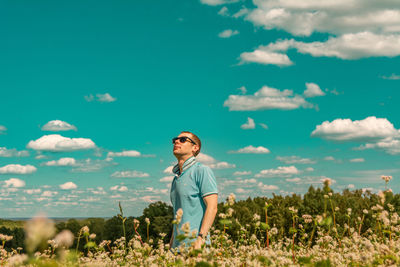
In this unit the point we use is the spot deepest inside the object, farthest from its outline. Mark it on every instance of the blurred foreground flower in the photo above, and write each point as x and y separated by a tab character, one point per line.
37	231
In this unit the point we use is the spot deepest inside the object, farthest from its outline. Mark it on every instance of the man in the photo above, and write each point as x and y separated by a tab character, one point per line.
194	190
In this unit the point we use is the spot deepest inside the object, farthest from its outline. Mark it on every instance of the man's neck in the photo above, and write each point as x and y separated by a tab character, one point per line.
181	161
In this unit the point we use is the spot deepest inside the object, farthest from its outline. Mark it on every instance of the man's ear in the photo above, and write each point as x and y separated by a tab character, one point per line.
196	148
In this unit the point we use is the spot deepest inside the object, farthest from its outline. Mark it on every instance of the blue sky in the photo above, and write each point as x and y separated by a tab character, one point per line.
283	94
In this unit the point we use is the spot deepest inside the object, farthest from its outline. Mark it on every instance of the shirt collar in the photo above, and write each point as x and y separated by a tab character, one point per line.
189	162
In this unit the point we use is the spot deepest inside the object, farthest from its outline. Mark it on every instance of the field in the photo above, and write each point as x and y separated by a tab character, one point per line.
336	237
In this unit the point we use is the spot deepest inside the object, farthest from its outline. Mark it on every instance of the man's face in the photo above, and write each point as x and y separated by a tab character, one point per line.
185	148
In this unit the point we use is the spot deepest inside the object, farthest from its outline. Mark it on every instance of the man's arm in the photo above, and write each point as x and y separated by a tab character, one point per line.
211	202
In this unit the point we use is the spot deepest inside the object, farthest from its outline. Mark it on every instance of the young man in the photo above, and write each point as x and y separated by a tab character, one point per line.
194	190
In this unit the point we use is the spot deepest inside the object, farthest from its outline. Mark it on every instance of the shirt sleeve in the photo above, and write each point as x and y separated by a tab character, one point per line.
206	181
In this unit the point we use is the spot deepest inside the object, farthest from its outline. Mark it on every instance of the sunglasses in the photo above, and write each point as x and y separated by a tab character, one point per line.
183	139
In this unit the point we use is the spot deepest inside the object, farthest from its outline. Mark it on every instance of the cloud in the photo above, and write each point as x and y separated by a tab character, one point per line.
17	169
241	173
336	17
58	143
389	145
68	186
329	158
391	77
129	174
218	2
89	165
228	33
57	125
223	11
14	182
203	158
100	98
278	172
49	193
249	124
263	56
167	179
33	191
61	162
293	180
371	128
265	187
242	89
169	168
313	90
295	160
3	129
348	46
125	153
8	153
264	125
357	160
252	150
266	98
150	199
222	165
213	163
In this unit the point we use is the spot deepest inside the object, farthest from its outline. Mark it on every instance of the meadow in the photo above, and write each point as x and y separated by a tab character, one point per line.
322	228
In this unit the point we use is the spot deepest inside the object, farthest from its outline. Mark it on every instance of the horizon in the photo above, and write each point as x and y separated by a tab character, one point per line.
93	93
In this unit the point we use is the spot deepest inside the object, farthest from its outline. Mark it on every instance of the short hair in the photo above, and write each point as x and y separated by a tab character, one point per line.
196	139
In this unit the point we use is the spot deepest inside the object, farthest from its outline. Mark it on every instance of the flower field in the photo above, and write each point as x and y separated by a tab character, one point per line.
336	237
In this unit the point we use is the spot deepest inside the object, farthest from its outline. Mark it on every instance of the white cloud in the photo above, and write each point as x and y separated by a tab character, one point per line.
129	174
249	124
213	163
8	153
265	187
371	128
218	2
169	168
228	33
68	186
61	162
222	165
90	165
33	191
150	199
350	186
266	98
252	150
348	46
3	129
100	98
264	125
242	89
167	179
389	145
313	90
241	173
357	160
223	11
391	77
14	182
58	143
293	180
203	158
263	56
125	153
336	17
278	172
17	169
295	160
242	191
49	193
57	125
123	189
329	158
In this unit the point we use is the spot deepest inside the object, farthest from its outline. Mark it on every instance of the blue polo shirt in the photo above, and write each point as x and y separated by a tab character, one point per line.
187	191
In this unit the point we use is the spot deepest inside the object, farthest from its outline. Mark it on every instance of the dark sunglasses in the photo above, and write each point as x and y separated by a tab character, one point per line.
183	139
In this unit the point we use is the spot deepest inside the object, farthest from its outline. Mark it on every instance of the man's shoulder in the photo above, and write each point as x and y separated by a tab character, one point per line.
200	166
